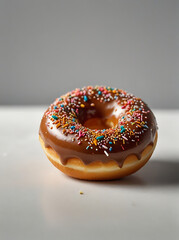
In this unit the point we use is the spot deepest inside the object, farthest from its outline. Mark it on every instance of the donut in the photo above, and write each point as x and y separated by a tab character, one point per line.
98	133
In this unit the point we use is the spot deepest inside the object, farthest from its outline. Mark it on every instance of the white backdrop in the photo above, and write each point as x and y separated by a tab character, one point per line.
50	47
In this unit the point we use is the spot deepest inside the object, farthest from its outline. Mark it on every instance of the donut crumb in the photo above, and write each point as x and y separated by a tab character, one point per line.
81	192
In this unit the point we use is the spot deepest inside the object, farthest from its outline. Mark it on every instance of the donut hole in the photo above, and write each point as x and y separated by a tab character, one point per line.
98	118
99	123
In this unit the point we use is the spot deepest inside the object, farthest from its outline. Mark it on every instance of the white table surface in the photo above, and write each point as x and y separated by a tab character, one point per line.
37	201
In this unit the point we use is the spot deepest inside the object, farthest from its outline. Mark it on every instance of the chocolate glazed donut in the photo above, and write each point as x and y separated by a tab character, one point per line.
98	133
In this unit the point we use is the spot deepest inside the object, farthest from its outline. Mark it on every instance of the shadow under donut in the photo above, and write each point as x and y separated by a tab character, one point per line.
160	173
155	173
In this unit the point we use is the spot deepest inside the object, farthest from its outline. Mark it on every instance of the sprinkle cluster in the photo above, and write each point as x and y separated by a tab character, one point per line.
64	114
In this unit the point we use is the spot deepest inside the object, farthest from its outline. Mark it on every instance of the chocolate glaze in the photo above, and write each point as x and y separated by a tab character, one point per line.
67	148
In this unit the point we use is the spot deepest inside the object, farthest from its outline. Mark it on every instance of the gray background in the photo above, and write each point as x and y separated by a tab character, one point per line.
50	47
